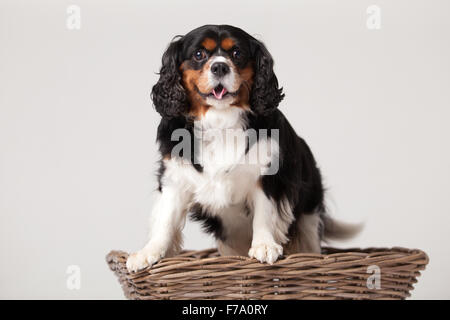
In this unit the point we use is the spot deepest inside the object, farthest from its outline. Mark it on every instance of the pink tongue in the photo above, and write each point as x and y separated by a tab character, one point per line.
219	95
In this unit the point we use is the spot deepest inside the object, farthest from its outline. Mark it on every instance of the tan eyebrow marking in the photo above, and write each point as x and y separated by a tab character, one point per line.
209	44
227	43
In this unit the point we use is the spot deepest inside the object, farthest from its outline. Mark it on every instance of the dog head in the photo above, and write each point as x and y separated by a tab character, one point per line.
216	66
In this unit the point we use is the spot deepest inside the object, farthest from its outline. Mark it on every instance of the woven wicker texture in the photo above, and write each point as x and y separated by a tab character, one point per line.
336	274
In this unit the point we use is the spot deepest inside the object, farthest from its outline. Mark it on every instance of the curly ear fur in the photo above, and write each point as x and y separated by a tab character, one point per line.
168	94
265	95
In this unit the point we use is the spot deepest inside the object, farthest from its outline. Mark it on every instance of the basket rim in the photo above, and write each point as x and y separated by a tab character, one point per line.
191	258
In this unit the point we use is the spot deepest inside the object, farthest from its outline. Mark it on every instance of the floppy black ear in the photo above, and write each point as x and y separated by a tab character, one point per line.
168	94
265	95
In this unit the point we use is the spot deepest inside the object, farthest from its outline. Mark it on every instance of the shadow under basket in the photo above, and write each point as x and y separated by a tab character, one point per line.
373	273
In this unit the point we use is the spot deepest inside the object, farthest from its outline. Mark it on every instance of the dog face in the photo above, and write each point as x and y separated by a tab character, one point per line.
217	70
216	67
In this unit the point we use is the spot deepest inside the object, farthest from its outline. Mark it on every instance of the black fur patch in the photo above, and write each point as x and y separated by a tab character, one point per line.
159	174
298	179
210	224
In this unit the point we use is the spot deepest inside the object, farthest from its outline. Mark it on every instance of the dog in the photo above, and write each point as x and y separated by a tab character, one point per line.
214	80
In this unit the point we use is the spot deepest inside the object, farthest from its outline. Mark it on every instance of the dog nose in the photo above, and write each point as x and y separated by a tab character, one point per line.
220	69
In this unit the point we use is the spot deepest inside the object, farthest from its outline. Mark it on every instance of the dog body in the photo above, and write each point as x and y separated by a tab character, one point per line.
242	171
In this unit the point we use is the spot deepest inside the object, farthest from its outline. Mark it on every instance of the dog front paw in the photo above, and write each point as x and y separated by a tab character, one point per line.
143	259
265	252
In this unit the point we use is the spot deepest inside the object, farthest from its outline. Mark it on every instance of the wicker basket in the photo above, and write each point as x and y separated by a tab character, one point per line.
336	274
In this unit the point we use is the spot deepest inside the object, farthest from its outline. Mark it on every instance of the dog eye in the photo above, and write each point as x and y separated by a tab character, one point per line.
236	53
199	55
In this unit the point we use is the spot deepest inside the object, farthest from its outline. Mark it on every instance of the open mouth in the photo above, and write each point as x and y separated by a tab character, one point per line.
219	92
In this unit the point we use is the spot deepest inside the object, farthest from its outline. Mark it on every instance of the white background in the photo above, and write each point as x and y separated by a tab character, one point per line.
77	128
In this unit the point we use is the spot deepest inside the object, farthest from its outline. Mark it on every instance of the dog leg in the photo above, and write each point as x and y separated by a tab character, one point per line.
269	229
167	220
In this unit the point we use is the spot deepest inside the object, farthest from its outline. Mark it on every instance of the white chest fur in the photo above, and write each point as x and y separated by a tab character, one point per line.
226	179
